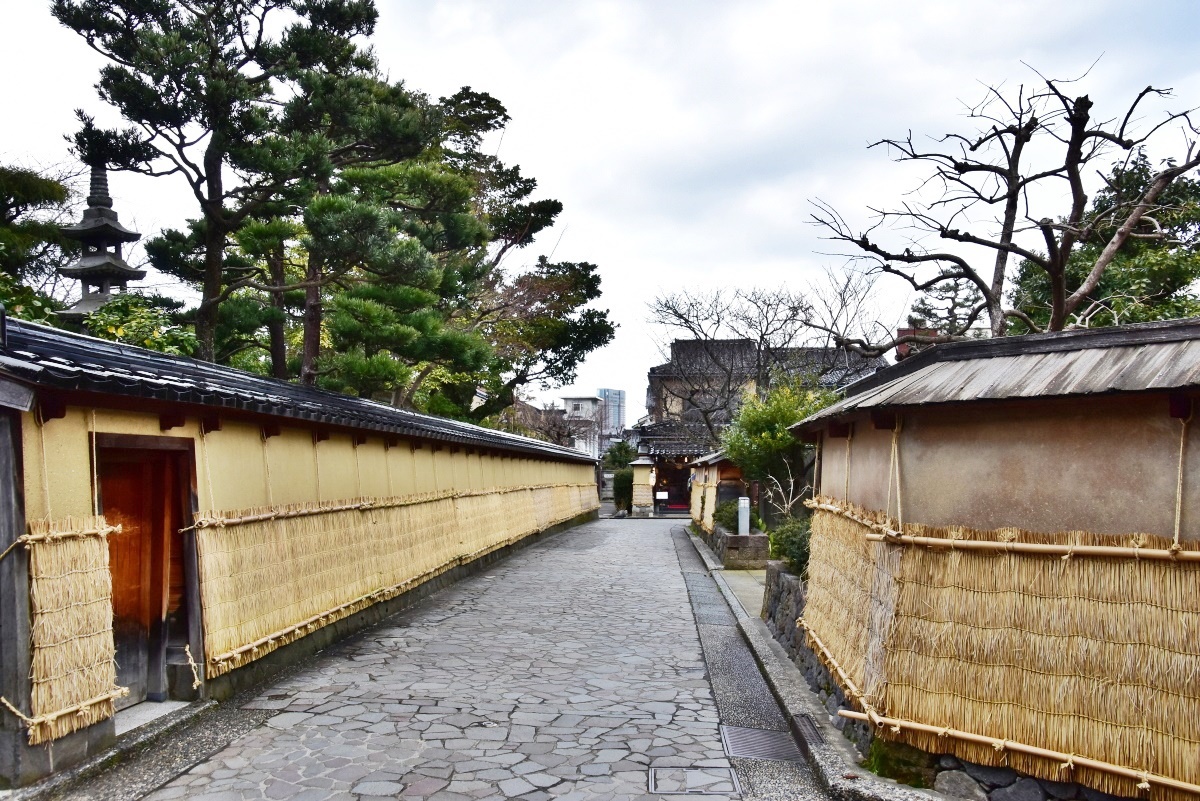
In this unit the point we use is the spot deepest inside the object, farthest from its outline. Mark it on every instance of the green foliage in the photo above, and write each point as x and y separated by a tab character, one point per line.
25	303
1150	279
789	541
209	92
758	440
350	230
619	455
32	245
137	320
623	488
541	330
726	514
947	307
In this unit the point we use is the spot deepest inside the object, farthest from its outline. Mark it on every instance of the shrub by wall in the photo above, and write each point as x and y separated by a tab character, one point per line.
623	488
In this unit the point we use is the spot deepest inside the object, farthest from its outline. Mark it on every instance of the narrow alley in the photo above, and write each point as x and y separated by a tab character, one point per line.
599	664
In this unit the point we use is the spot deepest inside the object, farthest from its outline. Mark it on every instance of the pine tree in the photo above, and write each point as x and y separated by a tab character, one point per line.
202	84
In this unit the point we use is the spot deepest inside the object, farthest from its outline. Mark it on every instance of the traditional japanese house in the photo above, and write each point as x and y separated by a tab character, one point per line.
206	526
692	397
714	481
1005	555
661	472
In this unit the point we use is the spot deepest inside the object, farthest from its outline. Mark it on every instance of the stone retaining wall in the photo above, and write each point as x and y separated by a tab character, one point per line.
783	602
737	551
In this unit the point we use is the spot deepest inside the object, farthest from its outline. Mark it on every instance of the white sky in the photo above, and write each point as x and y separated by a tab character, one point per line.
685	139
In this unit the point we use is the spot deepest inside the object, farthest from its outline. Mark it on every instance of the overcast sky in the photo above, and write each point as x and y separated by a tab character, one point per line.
685	139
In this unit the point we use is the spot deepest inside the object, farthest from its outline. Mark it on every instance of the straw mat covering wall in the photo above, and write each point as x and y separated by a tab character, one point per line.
73	673
271	576
840	568
1093	657
704	501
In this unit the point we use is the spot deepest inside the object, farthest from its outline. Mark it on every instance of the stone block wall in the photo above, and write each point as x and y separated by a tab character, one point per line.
738	551
783	602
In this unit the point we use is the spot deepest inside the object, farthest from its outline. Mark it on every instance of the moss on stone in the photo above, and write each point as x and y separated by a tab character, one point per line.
901	762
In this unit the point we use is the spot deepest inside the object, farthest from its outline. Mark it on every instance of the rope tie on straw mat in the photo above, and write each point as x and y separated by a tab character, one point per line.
28	721
817	467
1183	434
41	427
894	476
212	504
267	467
849	439
187	651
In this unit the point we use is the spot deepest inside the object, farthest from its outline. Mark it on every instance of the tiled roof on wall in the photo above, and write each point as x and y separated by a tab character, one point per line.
48	357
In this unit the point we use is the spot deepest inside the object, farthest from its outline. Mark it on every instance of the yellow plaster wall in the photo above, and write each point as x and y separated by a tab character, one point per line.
68	456
233	464
339	468
233	459
373	468
423	477
67	461
293	472
643	493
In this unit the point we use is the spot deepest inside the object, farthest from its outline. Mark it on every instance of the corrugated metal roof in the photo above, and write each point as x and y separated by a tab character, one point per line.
1157	356
50	357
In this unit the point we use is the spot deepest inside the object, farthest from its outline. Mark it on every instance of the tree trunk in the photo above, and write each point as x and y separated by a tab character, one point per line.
275	326
314	312
214	252
313	315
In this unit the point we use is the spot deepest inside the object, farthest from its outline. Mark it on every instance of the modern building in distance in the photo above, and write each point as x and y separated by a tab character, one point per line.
612	427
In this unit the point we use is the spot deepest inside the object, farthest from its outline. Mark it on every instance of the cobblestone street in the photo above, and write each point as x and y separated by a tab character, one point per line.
567	671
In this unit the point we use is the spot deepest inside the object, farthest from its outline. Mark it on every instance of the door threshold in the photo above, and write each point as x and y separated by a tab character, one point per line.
132	717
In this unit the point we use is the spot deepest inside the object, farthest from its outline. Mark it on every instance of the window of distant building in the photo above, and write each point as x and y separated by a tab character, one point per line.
576	407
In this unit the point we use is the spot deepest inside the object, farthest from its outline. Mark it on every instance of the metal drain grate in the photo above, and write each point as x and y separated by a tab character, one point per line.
808	728
760	744
694	781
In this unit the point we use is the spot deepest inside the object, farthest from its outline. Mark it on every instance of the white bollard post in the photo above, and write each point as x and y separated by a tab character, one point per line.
743	515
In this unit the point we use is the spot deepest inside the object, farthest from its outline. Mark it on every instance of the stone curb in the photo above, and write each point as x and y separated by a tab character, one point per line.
832	758
141	737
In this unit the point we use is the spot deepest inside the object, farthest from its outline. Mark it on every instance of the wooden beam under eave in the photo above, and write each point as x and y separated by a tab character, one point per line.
839	430
883	420
51	408
1179	405
169	420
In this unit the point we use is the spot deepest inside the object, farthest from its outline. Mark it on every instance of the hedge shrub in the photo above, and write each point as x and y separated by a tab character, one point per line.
623	488
727	516
789	541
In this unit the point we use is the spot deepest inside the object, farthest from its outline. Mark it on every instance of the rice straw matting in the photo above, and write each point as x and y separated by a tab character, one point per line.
271	576
1093	656
70	592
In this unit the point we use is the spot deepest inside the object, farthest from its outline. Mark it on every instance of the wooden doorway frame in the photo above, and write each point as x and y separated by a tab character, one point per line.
184	451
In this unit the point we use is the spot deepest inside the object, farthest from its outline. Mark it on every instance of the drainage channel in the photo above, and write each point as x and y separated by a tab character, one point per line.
756	735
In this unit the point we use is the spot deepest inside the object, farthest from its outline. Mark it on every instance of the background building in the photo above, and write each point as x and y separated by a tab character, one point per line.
612	427
585	415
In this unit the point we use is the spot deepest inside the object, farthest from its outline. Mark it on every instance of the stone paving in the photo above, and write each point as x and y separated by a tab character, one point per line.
565	672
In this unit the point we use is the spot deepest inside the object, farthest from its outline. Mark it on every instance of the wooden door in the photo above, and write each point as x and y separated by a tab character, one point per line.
139	490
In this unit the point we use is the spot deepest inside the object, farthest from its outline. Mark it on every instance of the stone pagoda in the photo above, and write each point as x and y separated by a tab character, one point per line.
100	266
